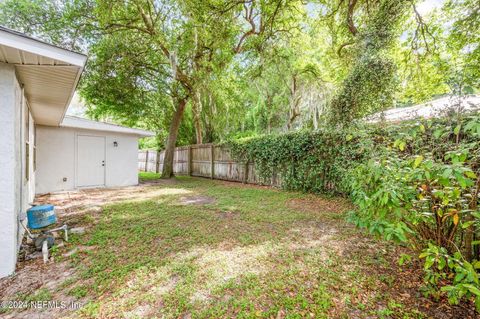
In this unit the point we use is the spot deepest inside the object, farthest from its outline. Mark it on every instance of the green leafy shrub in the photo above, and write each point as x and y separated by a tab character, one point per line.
306	161
415	182
422	187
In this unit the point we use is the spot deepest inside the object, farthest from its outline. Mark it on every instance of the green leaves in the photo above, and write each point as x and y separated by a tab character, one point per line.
437	133
470	174
467	224
404	258
423	176
456	130
308	161
473	126
417	161
400	144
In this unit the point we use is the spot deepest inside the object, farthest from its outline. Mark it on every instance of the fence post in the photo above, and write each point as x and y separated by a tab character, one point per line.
146	161
245	176
189	165
212	162
157	163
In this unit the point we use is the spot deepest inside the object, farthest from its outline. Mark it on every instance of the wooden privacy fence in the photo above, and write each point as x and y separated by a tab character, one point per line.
204	160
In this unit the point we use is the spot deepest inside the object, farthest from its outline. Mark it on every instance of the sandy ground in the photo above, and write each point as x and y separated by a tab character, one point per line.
71	208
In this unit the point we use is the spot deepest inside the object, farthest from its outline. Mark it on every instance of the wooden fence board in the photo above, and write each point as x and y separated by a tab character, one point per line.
200	160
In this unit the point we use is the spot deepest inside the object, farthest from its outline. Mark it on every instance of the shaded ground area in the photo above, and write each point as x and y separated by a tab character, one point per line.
197	248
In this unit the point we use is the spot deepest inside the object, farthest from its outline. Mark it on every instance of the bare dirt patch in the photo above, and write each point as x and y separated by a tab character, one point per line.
81	209
80	202
227	214
32	276
405	283
245	185
196	200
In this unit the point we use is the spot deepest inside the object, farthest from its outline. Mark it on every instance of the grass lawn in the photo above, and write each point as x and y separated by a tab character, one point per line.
210	249
148	176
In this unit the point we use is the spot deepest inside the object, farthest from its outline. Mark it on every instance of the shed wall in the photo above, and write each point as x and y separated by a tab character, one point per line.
56	158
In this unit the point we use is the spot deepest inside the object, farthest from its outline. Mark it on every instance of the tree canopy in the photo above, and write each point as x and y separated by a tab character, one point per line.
206	71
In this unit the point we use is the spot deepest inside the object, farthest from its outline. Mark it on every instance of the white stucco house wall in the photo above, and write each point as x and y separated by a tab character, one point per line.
41	149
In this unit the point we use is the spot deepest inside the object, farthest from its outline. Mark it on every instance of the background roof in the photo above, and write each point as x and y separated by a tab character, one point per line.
77	122
434	108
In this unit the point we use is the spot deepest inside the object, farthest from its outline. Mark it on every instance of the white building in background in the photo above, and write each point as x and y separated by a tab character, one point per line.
434	108
83	153
41	150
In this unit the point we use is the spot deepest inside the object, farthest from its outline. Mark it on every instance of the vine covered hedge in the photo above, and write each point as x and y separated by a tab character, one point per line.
415	182
306	161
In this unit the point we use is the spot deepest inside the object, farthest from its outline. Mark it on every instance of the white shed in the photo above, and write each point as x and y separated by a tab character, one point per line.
83	153
41	150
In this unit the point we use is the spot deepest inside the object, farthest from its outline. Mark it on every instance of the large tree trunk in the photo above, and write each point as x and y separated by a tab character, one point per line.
196	108
167	171
294	104
198	131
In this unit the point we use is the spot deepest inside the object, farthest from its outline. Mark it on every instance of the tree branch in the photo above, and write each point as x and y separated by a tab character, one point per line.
351	8
250	19
422	31
339	51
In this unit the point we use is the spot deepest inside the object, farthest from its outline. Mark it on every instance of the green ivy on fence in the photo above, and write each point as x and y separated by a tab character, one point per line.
306	161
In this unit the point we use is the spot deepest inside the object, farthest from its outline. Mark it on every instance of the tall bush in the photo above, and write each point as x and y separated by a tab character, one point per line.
422	187
305	161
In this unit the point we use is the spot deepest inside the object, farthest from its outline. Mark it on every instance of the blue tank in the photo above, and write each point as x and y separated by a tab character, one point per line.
41	216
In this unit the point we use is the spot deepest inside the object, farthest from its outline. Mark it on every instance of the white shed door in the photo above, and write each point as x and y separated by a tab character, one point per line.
90	161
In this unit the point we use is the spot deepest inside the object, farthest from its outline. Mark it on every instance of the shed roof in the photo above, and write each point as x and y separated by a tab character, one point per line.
81	123
433	108
49	74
